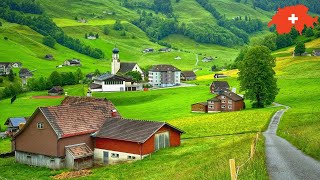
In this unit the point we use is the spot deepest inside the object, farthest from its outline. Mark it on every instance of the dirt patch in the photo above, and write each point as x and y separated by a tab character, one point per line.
46	97
72	174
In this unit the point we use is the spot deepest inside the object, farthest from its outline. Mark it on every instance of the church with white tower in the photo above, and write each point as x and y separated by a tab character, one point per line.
123	67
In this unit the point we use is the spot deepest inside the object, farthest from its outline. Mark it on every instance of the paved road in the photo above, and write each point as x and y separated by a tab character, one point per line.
284	161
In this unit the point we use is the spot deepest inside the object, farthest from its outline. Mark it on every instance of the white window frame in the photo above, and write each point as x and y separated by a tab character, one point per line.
114	155
230	107
223	101
223	97
229	101
223	106
40	125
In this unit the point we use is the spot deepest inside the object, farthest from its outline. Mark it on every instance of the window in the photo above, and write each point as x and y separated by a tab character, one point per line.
223	101
114	155
223	97
131	157
211	107
223	106
230	101
161	140
40	125
229	107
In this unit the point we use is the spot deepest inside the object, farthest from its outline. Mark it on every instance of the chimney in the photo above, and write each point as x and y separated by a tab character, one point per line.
114	113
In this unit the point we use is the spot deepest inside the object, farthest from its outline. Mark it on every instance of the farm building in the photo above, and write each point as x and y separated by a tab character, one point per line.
217	87
14	124
118	67
49	57
226	101
24	74
72	62
316	52
219	75
200	107
207	59
164	75
112	83
83	129
132	139
58	128
5	68
188	75
16	64
147	50
164	50
55	91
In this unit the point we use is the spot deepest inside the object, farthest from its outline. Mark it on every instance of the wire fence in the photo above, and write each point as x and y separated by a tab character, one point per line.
234	170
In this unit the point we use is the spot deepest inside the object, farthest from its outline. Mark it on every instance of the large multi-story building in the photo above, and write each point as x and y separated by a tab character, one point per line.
164	75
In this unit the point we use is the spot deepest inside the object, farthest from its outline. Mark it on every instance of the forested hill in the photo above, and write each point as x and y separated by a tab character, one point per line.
223	22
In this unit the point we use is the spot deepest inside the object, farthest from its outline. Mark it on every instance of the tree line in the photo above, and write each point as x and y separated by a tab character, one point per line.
273	5
45	26
26	6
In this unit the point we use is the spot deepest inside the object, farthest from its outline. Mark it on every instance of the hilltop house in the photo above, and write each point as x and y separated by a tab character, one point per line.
14	124
5	68
148	50
225	101
110	82
187	75
72	62
217	87
49	57
55	91
316	52
207	59
16	64
123	67
164	75
164	50
80	130
24	74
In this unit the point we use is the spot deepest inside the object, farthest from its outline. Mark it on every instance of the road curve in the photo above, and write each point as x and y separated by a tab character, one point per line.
284	161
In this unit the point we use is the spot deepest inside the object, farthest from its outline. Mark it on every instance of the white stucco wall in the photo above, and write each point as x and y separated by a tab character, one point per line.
113	87
98	156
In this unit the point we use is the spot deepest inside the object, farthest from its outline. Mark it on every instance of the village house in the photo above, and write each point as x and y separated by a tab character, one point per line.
112	83
49	57
55	91
225	101
218	87
316	52
164	75
92	37
123	67
148	50
14	124
207	59
83	129
72	62
164	50
62	130
132	139
5	68
188	75
16	64
24	74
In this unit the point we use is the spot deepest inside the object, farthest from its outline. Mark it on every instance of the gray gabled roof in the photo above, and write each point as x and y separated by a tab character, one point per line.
220	85
107	76
126	67
130	130
163	68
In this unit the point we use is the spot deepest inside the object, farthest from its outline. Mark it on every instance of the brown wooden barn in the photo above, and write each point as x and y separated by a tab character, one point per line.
226	101
200	107
218	87
124	139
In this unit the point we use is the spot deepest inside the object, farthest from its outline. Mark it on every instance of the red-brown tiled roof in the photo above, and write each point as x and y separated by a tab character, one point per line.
79	150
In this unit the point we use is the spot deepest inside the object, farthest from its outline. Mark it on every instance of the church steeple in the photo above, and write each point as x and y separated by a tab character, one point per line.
115	64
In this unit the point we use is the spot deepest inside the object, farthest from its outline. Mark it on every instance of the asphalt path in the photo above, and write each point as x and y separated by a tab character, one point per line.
284	161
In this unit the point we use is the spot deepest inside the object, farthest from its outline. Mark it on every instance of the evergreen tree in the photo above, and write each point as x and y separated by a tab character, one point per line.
55	79
300	48
256	76
97	36
49	41
11	76
97	72
309	32
136	76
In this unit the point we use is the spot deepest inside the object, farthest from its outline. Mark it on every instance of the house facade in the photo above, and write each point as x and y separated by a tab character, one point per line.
5	68
57	128
55	91
164	76
201	107
132	139
14	124
188	76
72	62
226	101
118	67
113	83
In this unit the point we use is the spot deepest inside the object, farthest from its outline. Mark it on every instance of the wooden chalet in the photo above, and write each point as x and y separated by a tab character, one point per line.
226	101
188	75
55	91
218	87
201	107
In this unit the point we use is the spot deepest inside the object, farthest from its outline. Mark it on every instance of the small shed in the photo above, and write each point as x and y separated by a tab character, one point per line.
14	124
187	75
56	90
201	107
48	56
217	87
316	52
78	156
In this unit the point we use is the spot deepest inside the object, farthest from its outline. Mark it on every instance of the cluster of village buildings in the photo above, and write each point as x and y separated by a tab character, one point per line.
24	73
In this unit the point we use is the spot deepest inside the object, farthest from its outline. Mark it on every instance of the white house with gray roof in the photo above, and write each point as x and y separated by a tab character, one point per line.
164	75
113	83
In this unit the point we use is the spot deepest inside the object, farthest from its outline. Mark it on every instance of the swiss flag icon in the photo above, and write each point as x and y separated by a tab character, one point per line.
292	16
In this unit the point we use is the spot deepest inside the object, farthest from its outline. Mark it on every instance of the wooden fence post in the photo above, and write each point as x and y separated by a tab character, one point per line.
233	172
252	150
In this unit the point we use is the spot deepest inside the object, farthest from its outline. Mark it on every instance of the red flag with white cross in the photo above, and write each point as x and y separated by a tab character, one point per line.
292	16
